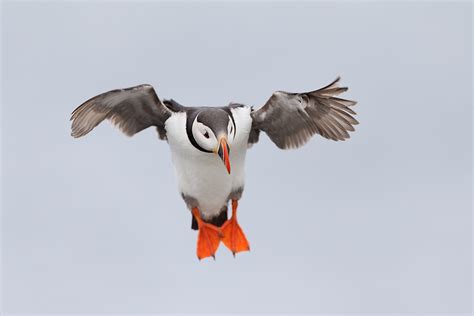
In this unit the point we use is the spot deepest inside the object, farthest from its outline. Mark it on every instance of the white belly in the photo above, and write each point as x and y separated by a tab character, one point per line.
203	176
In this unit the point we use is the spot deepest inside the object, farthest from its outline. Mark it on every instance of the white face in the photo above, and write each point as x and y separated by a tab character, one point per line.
205	137
230	132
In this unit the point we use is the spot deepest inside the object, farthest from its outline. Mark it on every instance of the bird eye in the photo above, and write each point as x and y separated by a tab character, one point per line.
206	134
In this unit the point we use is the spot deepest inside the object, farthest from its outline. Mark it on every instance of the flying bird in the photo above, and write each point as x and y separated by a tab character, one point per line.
208	144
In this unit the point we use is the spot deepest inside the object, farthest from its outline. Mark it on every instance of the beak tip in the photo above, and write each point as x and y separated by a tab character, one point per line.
223	153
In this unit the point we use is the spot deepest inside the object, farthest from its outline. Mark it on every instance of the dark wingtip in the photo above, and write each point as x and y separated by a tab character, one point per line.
75	134
338	78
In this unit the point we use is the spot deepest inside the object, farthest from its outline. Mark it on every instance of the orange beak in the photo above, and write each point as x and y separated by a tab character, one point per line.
223	153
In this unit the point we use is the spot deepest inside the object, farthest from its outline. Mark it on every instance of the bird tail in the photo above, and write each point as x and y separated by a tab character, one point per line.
218	221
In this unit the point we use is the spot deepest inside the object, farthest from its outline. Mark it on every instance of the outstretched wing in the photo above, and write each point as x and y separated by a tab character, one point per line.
290	119
132	110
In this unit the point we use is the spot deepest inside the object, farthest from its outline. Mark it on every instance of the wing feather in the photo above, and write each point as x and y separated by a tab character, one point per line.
131	110
291	119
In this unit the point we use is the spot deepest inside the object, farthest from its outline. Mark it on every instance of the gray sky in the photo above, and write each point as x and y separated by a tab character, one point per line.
380	223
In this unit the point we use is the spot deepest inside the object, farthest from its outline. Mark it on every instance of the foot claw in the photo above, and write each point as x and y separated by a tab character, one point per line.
208	238
234	238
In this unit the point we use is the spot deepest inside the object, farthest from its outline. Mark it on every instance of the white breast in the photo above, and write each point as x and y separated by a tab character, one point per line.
201	175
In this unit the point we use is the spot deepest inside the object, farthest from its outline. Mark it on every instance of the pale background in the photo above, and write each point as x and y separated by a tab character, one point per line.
380	223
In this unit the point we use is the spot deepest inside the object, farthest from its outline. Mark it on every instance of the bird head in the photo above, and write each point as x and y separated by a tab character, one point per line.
213	131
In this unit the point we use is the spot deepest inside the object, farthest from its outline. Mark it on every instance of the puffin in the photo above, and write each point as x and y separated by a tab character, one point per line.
209	144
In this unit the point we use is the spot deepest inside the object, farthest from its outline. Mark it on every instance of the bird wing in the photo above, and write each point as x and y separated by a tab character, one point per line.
131	109
290	119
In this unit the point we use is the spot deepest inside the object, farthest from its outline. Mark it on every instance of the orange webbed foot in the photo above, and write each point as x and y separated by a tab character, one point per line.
233	236
209	237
